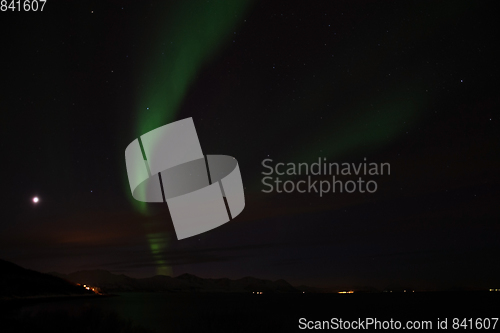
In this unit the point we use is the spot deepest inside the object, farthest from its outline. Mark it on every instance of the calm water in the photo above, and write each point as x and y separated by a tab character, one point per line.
163	312
248	312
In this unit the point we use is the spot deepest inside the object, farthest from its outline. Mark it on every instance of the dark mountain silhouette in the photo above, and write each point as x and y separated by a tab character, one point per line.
99	278
18	282
109	282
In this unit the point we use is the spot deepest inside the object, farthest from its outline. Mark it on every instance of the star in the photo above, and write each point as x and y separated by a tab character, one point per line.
35	199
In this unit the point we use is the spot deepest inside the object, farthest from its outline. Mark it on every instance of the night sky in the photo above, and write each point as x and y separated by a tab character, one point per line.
410	83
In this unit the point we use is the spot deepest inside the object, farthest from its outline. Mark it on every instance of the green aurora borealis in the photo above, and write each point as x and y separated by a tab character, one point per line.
191	34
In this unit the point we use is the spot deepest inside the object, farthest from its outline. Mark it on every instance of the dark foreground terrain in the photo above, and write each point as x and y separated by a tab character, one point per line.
19	282
202	312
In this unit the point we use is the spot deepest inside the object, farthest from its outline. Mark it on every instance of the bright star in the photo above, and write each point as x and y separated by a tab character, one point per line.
35	199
